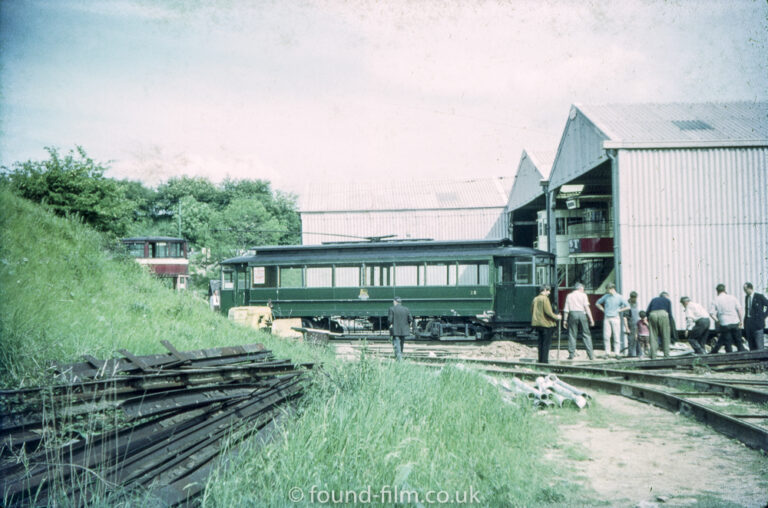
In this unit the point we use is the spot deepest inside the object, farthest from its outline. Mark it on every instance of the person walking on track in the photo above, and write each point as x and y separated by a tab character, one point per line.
544	321
400	321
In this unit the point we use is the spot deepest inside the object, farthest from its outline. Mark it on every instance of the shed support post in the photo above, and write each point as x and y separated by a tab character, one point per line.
616	216
551	230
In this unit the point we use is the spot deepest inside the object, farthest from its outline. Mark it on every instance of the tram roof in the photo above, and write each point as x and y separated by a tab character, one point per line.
152	239
383	252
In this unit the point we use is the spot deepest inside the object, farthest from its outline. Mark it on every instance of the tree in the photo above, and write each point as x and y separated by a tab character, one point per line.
196	218
169	193
74	184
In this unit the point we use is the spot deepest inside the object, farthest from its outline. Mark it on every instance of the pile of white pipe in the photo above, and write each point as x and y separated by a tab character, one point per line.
547	391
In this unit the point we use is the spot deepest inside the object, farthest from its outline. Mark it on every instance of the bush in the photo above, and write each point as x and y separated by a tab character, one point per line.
74	185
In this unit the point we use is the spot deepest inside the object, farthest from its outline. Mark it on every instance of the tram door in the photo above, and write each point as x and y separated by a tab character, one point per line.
240	286
504	303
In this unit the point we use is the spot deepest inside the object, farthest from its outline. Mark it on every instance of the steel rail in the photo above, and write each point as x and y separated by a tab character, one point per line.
728	390
93	367
691	360
164	379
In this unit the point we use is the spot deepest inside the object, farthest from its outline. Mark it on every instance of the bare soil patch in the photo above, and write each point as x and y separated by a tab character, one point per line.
640	455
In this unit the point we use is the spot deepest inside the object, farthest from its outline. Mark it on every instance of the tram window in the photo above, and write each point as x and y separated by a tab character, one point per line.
136	250
241	280
475	274
378	275
319	277
505	270
543	270
468	275
452	275
291	277
227	279
437	275
566	276
347	276
523	273
174	250
482	275
263	276
406	275
542	274
560	226
593	272
160	250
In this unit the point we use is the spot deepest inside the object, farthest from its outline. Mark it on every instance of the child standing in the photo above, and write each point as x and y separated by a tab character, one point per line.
643	334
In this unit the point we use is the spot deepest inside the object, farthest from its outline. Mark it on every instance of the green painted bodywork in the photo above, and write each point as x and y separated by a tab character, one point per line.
510	302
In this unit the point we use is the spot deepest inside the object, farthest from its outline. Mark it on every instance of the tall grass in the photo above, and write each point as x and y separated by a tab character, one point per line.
387	426
65	292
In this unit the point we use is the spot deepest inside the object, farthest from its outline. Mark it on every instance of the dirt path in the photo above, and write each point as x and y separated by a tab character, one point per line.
639	455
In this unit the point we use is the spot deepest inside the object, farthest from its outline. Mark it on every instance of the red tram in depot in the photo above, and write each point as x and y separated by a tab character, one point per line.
584	249
166	257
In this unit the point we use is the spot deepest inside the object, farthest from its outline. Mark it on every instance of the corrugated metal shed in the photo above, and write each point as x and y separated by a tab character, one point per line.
533	168
439	210
441	194
690	192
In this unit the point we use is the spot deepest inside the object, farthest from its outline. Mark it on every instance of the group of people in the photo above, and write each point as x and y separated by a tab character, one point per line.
647	331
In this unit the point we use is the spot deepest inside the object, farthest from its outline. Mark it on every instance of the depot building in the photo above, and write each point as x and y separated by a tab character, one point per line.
652	197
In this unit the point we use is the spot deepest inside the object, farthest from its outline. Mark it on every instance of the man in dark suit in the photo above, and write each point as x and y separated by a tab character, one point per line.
400	320
755	310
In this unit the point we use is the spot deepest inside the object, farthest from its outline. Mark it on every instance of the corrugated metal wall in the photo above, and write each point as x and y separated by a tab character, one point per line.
467	224
693	218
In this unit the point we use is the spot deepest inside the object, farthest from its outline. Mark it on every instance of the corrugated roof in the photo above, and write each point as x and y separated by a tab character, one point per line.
406	195
680	124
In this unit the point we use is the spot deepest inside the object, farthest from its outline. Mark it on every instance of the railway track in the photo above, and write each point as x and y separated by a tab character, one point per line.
154	424
736	408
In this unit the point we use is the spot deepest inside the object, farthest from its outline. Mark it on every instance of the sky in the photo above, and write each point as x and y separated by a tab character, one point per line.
298	92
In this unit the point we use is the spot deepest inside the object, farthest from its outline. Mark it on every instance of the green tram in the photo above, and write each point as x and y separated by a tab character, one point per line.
475	289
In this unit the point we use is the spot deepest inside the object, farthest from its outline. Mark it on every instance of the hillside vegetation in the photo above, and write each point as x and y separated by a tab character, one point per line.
66	291
373	426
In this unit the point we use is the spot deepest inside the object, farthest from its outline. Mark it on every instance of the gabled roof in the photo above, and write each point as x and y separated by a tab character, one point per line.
593	130
401	195
533	168
680	125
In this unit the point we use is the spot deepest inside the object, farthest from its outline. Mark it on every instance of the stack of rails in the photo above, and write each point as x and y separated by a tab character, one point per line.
147	426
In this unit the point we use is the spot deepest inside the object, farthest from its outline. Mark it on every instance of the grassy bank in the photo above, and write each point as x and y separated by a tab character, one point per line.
382	427
370	424
64	292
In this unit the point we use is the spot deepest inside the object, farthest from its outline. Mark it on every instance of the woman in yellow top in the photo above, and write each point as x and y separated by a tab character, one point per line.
544	321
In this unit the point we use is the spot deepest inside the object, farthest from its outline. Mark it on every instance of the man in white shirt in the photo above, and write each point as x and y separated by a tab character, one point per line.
576	312
696	324
727	313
